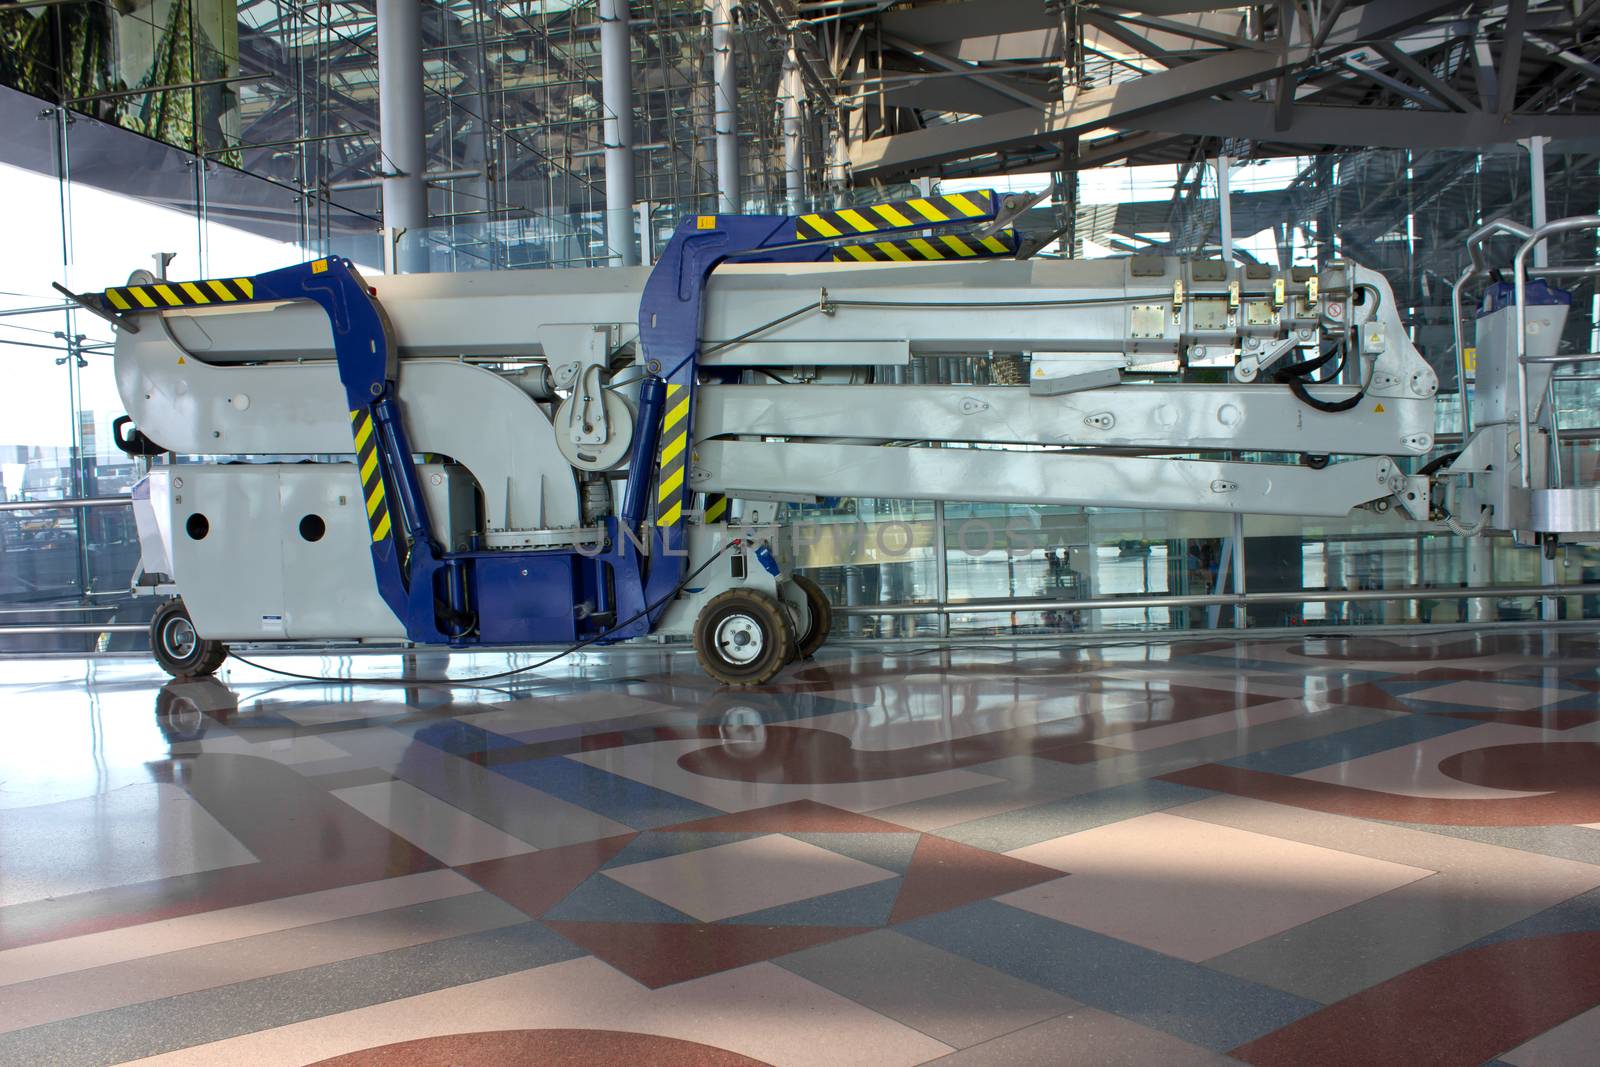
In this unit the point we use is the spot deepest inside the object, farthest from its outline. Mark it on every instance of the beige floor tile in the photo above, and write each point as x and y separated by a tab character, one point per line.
760	1011
1413	770
1494	695
444	832
1195	890
744	876
101	949
1089	1037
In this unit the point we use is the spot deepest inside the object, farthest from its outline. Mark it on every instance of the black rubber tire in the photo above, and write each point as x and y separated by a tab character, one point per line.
821	617
193	658
762	614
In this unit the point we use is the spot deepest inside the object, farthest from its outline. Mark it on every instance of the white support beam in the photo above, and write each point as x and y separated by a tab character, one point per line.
400	122
725	96
747	469
616	80
792	96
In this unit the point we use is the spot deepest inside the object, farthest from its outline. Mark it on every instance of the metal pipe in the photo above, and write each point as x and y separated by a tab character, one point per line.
400	128
794	179
65	505
725	95
1225	210
983	607
647	429
1536	193
116	94
1479	268
78	628
1461	352
616	80
1520	282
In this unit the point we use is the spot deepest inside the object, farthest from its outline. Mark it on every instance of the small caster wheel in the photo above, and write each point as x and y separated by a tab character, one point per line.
178	646
1315	462
743	637
821	617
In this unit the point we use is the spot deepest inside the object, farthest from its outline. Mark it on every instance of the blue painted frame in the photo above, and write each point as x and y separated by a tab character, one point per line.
543	596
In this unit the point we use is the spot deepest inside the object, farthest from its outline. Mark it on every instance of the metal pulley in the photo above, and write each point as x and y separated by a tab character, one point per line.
594	430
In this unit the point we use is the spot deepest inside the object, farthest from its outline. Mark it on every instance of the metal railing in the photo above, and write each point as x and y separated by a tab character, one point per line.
1310	596
1519	266
66	505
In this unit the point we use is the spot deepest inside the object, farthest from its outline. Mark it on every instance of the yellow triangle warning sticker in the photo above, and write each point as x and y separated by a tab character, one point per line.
181	361
1378	410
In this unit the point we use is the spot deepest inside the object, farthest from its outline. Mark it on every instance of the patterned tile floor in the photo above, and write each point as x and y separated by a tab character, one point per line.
1360	851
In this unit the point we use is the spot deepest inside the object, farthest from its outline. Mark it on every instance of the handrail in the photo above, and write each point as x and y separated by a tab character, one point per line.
78	628
983	607
1478	269
1309	596
1519	266
65	505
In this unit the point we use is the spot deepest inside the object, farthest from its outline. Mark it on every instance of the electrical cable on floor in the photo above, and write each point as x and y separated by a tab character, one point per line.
569	650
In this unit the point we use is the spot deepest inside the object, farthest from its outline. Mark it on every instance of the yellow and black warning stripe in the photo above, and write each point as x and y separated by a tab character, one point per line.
716	509
671	490
371	474
180	294
919	249
897	215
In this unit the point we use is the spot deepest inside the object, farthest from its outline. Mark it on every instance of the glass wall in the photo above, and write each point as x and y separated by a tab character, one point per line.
1014	570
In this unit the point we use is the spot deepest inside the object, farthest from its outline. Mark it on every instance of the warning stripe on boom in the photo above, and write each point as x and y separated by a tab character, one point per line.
897	215
158	295
371	474
920	249
671	490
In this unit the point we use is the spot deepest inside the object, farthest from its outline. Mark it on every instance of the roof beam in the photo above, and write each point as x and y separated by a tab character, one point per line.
1430	81
1562	55
1394	85
1003	86
1511	54
1326	124
1113	105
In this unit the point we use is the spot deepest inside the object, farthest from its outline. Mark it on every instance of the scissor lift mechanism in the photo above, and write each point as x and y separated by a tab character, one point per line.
696	430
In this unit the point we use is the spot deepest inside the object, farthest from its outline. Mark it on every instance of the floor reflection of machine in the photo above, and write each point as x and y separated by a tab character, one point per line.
187	707
1061	582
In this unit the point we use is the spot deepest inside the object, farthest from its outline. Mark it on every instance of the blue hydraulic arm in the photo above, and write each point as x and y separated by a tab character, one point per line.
423	590
560	595
670	315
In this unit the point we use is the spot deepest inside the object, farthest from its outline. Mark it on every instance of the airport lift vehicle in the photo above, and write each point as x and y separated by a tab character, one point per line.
548	457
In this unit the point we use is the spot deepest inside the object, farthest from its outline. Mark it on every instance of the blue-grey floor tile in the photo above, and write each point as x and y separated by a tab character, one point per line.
865	905
1028	826
623	799
600	898
1318	752
1199	1005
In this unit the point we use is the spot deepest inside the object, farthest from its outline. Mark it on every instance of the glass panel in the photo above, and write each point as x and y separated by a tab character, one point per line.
864	552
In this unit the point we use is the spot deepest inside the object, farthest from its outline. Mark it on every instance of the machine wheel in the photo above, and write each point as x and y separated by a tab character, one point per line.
178	647
821	617
743	637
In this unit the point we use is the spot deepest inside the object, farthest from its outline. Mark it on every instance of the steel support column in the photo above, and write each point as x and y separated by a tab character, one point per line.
616	77
725	93
794	179
400	129
1549	572
1225	208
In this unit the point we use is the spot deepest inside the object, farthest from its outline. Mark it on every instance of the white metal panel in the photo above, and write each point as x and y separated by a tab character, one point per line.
736	467
1264	417
484	422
